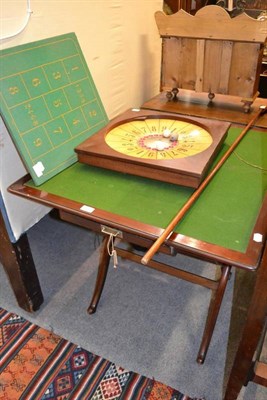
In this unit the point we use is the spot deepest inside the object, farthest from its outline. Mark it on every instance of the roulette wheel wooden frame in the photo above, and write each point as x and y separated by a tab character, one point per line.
179	162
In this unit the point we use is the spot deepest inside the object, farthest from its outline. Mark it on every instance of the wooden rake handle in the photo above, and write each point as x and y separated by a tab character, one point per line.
168	230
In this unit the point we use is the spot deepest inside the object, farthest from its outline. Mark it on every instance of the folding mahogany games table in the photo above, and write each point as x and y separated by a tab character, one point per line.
227	225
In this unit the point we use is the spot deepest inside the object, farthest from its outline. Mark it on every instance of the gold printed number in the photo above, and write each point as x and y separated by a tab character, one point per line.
56	75
57	103
13	90
38	142
36	82
58	130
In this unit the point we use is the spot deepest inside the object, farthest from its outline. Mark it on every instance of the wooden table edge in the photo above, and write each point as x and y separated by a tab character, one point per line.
183	244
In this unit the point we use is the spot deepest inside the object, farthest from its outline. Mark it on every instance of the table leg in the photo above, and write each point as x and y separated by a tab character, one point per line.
101	275
218	287
251	334
18	264
214	309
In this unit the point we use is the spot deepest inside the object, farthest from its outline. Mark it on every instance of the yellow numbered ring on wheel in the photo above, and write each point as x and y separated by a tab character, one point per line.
159	138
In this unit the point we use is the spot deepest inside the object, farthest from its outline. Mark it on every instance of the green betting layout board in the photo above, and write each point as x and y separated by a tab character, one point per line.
49	103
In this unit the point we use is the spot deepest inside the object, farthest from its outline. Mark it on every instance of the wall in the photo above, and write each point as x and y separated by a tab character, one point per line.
122	47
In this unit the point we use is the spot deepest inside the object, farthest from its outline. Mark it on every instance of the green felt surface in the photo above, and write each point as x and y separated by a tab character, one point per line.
224	214
49	103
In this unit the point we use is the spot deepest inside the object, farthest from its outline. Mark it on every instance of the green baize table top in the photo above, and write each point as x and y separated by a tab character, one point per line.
224	214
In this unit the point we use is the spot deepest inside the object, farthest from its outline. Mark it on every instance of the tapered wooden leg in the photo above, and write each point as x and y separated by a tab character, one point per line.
101	275
213	314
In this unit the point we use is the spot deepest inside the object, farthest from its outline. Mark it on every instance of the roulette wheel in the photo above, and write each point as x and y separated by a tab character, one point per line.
162	146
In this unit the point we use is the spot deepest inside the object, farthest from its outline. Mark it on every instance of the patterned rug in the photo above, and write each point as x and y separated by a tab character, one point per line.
38	364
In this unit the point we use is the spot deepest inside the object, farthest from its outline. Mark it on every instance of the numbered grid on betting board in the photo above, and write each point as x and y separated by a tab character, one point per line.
51	104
